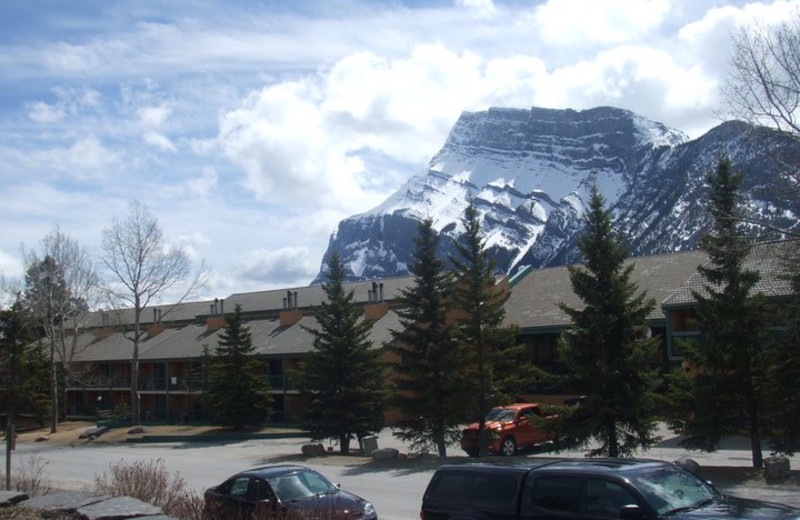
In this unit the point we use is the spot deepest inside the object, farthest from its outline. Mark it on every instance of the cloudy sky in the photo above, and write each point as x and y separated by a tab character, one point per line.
250	129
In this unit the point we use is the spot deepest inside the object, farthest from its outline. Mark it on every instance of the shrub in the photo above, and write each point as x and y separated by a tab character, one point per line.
30	477
149	481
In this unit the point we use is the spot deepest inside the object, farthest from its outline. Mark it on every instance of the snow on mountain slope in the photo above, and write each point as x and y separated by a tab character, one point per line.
529	172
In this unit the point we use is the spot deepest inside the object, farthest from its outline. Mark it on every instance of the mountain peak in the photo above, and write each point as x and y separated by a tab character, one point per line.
529	172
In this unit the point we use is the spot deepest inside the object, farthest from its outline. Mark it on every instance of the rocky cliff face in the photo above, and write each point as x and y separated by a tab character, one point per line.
529	173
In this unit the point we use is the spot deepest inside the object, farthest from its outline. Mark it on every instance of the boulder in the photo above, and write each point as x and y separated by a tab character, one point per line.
313	450
385	453
776	468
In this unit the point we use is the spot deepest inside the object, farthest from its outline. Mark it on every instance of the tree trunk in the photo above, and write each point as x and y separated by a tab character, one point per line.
344	444
613	445
53	387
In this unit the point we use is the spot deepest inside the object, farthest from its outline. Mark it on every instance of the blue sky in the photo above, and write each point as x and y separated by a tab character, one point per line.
251	128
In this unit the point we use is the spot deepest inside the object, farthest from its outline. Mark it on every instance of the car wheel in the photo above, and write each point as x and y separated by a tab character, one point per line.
508	447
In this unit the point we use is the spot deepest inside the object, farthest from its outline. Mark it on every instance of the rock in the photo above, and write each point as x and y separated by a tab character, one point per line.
688	464
8	498
93	433
385	453
64	501
42	438
117	508
313	450
369	444
776	468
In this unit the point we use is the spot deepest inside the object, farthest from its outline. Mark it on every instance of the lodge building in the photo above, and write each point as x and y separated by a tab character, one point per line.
178	338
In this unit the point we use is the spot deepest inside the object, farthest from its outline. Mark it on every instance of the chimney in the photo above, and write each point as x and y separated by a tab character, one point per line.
215	321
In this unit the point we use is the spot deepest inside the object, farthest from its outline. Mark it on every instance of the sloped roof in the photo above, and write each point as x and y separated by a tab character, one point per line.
535	299
770	259
312	296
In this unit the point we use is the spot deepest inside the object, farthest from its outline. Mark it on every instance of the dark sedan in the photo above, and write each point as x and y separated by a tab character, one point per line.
272	491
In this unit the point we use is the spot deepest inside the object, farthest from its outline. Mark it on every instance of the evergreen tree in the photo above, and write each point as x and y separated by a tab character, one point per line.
238	390
477	301
343	377
606	349
429	367
24	381
724	393
782	379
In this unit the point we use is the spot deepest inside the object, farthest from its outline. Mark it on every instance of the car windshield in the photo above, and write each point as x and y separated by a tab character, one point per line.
500	414
301	485
670	489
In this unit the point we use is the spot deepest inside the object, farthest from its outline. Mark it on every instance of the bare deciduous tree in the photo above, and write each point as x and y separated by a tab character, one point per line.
61	284
142	266
763	86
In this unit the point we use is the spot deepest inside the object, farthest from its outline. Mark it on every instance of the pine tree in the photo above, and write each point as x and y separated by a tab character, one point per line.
238	389
344	374
724	394
782	379
429	370
24	381
478	305
606	349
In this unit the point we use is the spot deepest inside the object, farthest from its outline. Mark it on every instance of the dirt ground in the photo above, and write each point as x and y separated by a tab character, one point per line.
70	433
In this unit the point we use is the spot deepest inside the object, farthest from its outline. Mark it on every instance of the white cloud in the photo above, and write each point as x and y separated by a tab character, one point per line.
159	141
10	266
84	159
203	185
289	264
575	23
481	8
153	117
41	112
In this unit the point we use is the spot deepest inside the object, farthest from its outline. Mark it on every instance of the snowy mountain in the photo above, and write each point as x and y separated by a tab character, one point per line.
529	173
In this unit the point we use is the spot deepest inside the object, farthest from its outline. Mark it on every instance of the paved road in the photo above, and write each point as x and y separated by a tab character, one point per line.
395	487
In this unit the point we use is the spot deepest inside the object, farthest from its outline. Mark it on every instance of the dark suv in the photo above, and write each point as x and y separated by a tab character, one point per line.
586	489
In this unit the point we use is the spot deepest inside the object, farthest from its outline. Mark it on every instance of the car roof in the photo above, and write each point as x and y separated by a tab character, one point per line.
596	466
273	471
512	467
605	465
516	406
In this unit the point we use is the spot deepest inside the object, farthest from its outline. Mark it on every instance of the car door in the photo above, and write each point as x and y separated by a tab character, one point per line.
551	497
233	499
603	499
527	433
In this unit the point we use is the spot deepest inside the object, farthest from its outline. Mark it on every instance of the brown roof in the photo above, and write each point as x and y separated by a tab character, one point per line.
770	259
535	298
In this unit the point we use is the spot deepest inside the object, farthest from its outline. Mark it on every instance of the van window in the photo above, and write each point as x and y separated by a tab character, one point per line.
489	489
555	493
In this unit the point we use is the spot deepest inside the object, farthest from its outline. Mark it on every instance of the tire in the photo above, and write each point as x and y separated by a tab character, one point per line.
508	447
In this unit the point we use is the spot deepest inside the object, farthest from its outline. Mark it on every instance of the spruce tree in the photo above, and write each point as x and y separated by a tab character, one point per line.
24	386
238	389
724	393
429	367
344	373
782	378
606	349
477	302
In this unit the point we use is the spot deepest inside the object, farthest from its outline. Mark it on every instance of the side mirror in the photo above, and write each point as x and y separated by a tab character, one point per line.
631	512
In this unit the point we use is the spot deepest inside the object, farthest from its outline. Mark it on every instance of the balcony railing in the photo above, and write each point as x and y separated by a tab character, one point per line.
100	382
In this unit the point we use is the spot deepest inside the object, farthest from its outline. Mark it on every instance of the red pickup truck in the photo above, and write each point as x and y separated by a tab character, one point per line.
508	428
